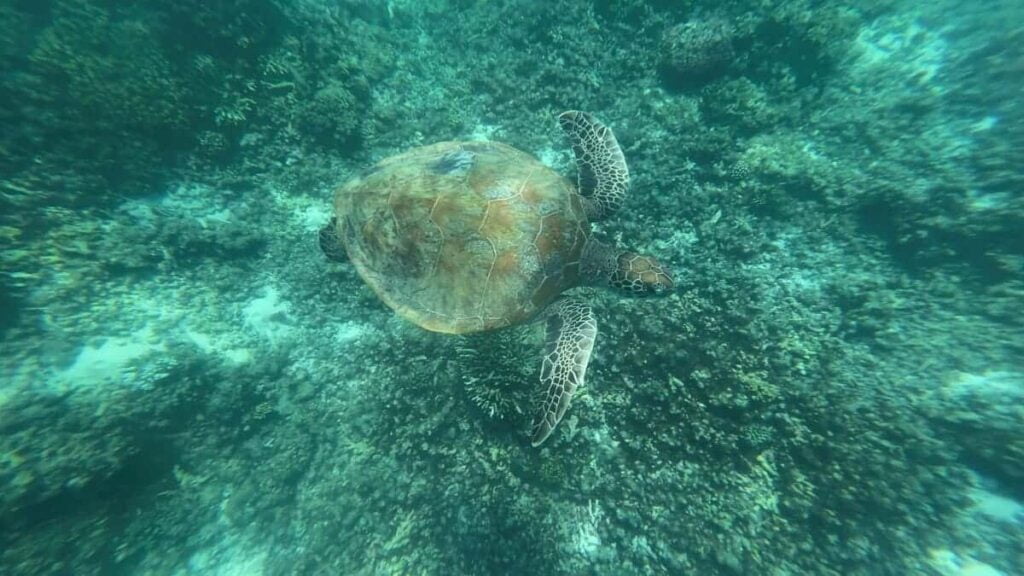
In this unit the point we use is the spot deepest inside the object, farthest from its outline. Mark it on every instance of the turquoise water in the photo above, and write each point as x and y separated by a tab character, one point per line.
833	385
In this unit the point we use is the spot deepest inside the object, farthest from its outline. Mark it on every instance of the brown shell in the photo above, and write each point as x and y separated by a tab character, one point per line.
463	236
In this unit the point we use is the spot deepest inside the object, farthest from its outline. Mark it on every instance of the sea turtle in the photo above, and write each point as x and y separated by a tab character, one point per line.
461	237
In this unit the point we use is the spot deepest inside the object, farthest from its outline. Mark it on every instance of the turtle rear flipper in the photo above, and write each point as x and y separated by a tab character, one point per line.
330	243
571	329
603	174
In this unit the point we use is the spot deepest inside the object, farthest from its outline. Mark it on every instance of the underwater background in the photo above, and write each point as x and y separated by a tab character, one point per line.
835	386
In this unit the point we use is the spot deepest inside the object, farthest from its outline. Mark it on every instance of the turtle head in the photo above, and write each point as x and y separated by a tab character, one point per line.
330	244
639	275
631	273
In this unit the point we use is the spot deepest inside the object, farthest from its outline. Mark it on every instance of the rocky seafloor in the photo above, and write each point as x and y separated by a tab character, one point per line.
836	386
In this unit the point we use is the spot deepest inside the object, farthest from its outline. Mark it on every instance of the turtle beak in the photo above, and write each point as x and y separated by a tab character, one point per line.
658	280
652	276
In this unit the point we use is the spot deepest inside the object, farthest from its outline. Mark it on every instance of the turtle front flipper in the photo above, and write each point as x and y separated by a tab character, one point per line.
571	329
330	244
603	174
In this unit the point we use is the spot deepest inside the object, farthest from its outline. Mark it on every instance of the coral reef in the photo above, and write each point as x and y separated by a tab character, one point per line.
332	116
983	415
186	384
697	50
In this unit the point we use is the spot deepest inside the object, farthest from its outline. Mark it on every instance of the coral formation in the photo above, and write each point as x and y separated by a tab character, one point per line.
332	116
983	414
697	50
834	387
